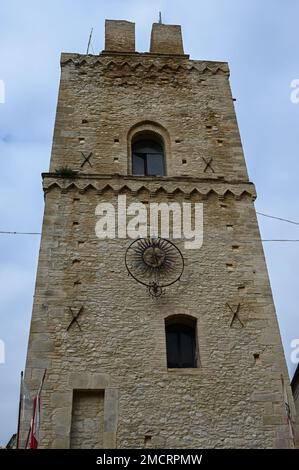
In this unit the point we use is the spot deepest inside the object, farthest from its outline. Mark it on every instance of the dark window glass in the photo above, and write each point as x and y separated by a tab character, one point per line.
181	346
138	164
172	340
147	158
155	164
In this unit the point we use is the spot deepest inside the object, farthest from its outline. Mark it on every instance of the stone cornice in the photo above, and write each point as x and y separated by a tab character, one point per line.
146	62
186	186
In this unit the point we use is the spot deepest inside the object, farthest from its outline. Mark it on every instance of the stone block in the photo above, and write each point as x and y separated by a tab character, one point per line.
166	39
119	36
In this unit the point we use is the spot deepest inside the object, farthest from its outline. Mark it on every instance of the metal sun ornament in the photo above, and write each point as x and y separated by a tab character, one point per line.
154	262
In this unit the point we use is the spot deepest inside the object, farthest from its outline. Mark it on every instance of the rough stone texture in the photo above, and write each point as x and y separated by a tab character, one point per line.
166	39
87	420
119	36
233	399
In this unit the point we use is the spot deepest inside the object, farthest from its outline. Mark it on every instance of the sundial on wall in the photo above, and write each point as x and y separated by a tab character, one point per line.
154	262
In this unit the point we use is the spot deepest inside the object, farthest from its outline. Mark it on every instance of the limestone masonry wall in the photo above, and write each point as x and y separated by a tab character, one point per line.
234	398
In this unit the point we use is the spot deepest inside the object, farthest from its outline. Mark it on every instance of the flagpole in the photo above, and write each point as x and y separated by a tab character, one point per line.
20	410
42	383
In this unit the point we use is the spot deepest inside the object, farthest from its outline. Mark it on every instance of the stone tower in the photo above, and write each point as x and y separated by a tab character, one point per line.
155	127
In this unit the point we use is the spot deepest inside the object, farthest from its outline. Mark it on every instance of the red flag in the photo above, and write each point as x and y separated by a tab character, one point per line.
34	438
35	422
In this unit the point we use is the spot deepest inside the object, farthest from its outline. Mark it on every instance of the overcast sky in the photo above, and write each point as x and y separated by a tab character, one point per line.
258	38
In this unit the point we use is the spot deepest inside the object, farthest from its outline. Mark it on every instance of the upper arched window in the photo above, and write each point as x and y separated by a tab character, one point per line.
148	155
181	342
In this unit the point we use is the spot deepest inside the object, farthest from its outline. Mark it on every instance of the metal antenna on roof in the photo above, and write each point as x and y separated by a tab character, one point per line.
89	41
160	18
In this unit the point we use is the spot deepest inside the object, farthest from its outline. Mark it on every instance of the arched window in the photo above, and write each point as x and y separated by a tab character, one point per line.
181	342
148	155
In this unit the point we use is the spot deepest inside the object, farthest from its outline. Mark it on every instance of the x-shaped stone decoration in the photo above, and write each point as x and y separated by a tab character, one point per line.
235	315
208	164
86	159
75	317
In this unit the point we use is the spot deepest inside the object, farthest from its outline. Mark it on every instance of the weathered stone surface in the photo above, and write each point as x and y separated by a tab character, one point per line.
87	420
119	36
111	410
166	39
